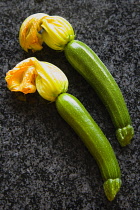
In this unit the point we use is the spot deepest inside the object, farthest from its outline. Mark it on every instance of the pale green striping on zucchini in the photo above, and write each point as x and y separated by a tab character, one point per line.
75	114
89	65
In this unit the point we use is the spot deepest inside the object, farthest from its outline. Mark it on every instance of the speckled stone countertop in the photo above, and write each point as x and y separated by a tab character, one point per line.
44	164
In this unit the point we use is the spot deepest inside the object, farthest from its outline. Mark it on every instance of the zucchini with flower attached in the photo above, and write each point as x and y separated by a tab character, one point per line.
58	34
52	84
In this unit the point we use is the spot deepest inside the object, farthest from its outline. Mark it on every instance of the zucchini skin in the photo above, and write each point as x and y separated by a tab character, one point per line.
75	114
89	65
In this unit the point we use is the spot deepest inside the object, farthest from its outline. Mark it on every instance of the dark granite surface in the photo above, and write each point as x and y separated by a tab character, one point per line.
44	164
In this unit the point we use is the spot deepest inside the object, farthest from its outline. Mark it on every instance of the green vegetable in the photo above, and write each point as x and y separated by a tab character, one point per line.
75	114
89	65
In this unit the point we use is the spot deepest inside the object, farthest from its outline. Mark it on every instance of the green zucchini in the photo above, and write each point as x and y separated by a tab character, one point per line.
75	114
89	65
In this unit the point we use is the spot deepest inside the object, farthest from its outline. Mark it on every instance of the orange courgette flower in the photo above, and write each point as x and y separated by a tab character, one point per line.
55	31
31	74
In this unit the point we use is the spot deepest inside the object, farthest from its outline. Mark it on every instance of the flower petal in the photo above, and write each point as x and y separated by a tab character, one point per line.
57	32
50	81
22	77
29	36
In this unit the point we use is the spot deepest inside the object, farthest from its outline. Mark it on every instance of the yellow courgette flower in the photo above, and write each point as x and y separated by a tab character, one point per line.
31	74
50	81
55	31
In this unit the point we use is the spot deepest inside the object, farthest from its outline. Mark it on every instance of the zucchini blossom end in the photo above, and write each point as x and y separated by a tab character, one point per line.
55	31
31	75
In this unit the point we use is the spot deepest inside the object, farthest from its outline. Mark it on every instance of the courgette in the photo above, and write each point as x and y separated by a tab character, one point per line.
51	83
75	114
89	65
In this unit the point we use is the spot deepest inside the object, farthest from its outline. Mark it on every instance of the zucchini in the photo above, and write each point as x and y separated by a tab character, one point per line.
75	114
89	65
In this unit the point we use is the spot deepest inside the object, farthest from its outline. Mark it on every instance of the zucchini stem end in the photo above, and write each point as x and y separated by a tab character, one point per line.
124	135
111	188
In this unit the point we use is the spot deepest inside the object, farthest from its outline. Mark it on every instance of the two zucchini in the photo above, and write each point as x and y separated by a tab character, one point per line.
58	34
88	64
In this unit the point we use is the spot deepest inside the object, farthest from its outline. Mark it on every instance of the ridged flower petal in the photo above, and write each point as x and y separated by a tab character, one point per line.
51	81
57	32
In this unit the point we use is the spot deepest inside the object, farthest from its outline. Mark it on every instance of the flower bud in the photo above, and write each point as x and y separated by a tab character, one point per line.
57	32
50	81
31	74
